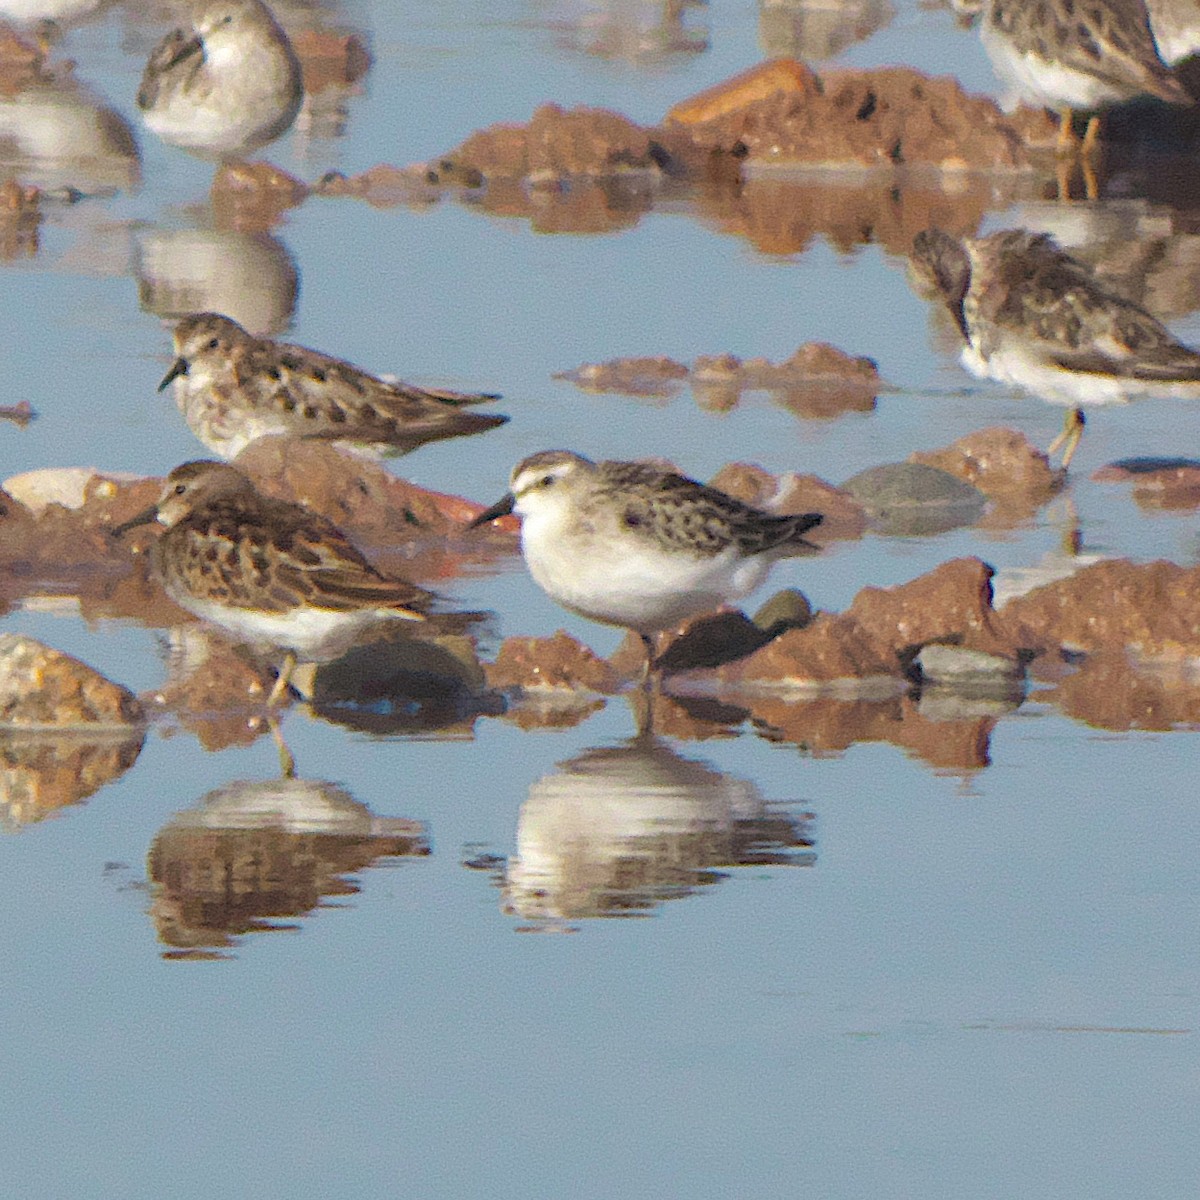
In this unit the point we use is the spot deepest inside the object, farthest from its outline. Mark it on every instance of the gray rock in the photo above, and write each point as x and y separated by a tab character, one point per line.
911	499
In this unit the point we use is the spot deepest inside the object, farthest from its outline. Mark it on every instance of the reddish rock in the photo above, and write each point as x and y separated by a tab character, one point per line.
251	197
1152	609
542	664
329	59
784	76
359	494
888	116
844	518
881	630
21	61
557	144
1001	463
382	186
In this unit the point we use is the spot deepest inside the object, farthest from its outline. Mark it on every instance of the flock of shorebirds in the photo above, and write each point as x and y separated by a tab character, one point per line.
628	544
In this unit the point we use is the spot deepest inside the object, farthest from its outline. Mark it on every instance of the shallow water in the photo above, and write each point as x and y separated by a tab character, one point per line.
884	955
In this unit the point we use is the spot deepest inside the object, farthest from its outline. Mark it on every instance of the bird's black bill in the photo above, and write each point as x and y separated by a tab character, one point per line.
143	518
178	367
501	508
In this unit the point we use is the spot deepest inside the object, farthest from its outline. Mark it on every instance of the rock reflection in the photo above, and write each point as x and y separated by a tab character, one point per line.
55	134
250	855
947	732
619	830
813	30
247	276
41	773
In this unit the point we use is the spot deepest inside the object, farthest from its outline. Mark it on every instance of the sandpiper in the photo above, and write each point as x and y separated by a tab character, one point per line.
268	571
233	388
1033	316
638	546
226	84
1067	55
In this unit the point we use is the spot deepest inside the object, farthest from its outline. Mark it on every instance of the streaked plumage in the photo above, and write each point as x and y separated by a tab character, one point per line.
1077	54
227	83
1033	316
233	388
268	571
635	545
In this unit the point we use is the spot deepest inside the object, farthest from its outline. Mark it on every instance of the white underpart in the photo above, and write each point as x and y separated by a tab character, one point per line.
581	825
246	93
1008	361
1040	81
225	430
315	634
624	579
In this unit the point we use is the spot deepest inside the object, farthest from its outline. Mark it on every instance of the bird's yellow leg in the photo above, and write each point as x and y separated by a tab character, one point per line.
1067	142
1091	139
281	682
287	764
1070	437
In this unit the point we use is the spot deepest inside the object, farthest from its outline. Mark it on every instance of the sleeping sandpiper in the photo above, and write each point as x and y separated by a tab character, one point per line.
638	546
233	388
268	571
1033	316
226	84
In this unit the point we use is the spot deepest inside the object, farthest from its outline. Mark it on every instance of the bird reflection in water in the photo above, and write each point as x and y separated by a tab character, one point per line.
247	276
251	855
619	830
815	30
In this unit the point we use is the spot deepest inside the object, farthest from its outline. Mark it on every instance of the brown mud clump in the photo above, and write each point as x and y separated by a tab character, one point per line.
782	112
818	380
42	688
558	663
251	197
1158	483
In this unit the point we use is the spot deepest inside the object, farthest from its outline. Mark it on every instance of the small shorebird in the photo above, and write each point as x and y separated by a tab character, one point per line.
225	85
1033	316
635	545
1068	55
233	388
270	572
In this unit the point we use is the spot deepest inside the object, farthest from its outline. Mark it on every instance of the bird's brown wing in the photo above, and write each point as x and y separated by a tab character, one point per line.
278	558
329	398
1056	304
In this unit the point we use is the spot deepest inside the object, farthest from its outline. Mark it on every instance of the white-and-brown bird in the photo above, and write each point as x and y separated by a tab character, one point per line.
1033	316
225	84
268	571
233	388
638	546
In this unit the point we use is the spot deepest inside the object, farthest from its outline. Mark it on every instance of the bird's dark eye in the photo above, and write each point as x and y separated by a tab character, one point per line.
180	488
213	343
547	480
